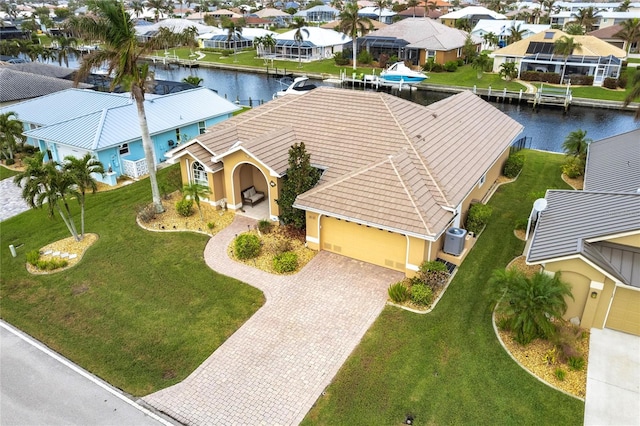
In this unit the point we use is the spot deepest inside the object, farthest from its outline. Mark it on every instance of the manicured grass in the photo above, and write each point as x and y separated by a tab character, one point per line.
142	310
467	76
603	93
633	60
6	173
447	367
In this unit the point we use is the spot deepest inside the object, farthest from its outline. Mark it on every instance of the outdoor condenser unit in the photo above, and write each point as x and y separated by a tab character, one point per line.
454	241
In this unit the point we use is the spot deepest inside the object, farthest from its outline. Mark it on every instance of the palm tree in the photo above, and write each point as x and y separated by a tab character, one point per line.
353	25
269	42
138	7
44	183
515	33
196	192
337	4
508	70
463	24
66	49
634	93
10	133
81	171
194	80
381	4
491	39
630	32
299	25
530	303
576	144
413	4
121	51
624	6
574	29
587	17
234	33
480	63
564	46
158	6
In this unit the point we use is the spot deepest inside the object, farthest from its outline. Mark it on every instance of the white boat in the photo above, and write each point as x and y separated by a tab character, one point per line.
300	86
399	73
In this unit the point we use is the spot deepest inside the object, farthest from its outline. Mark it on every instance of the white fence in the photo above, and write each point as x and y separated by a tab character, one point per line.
135	169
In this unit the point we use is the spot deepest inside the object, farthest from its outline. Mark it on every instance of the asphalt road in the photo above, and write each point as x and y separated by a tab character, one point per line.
39	387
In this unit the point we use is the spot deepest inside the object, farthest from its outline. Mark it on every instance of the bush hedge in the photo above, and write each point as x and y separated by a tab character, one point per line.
545	77
478	217
285	262
421	294
513	166
450	66
247	246
184	207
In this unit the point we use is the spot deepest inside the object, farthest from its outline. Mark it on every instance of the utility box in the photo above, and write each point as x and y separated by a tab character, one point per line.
454	241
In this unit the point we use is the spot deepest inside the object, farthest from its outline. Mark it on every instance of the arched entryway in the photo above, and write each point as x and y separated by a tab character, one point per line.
245	177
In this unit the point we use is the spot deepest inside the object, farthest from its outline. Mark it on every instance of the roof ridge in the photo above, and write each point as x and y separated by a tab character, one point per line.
410	194
411	144
98	135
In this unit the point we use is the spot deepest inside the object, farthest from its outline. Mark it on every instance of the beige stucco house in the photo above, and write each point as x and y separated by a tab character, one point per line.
593	237
395	175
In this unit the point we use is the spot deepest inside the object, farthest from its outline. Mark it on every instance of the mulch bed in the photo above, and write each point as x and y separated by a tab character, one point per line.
67	245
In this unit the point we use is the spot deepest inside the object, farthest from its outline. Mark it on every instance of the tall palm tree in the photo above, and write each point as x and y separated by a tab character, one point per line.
516	32
491	39
81	171
574	29
66	49
10	133
587	17
634	93
138	7
630	32
234	33
576	144
530	303
354	25
413	4
564	46
269	42
121	51
381	4
45	183
196	192
158	7
300	27
624	6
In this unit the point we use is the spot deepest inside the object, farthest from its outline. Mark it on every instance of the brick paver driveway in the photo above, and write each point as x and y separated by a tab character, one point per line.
275	366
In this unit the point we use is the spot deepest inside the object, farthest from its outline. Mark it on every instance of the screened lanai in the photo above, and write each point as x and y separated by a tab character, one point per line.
600	67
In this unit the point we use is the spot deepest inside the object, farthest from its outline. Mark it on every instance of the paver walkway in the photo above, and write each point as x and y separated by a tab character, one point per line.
11	202
277	364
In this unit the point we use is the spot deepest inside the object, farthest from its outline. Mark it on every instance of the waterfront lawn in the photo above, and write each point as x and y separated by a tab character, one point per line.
447	367
466	76
141	310
6	173
593	92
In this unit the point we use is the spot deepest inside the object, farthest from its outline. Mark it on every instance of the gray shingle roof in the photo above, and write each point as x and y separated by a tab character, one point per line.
613	164
18	85
47	70
574	216
422	33
430	157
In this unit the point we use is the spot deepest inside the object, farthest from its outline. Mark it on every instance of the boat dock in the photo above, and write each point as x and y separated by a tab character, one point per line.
555	96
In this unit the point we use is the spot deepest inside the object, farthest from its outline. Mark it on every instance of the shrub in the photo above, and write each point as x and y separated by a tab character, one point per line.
551	356
264	226
450	66
622	81
211	225
610	83
504	323
560	374
576	363
460	62
478	217
283	245
398	292
434	274
33	256
365	57
285	262
146	213
247	246
184	207
433	266
340	58
521	224
573	167
513	166
50	265
383	60
10	162
545	77
421	294
393	59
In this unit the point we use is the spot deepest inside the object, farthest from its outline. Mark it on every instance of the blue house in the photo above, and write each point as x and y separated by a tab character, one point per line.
107	125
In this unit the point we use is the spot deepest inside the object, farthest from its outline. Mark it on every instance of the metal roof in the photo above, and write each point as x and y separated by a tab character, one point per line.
573	216
613	164
113	126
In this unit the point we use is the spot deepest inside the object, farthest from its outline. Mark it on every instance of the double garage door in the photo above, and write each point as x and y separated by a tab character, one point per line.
67	151
624	314
364	243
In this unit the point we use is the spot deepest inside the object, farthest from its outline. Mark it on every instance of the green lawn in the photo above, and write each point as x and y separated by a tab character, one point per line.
447	367
466	76
142	310
6	173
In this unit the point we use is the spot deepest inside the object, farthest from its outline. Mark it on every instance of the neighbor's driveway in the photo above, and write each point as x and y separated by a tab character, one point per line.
277	364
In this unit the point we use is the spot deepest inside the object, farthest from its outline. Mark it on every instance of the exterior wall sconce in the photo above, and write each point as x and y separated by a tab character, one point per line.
272	184
594	294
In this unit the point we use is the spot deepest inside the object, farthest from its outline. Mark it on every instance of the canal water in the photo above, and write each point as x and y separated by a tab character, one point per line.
547	127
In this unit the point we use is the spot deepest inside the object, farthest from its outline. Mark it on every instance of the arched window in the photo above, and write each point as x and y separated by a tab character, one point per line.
199	175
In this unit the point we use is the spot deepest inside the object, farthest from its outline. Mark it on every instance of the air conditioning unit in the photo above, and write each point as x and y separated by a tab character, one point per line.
454	241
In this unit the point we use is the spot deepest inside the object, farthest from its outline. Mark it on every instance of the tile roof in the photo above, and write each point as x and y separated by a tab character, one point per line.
607	32
47	70
422	33
432	156
19	85
572	217
472	11
589	45
119	124
613	164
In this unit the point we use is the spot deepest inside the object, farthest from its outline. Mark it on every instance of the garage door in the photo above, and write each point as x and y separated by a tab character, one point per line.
364	243
67	151
624	314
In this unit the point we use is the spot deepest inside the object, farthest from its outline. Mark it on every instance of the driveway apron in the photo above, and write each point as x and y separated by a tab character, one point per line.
272	369
11	202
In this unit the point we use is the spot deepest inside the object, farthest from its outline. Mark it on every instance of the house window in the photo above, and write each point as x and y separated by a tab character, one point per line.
201	127
482	180
459	51
431	54
124	149
199	175
178	135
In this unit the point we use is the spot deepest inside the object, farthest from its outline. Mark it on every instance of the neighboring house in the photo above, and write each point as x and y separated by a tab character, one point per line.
335	25
9	31
389	191
275	16
594	57
17	86
254	22
592	237
609	34
373	13
145	31
472	13
416	40
320	13
603	19
419	11
502	29
317	43
106	125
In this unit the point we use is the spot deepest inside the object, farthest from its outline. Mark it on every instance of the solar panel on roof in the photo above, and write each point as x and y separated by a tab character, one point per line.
540	47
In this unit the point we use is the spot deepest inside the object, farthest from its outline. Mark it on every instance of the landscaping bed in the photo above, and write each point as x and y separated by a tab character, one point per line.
73	249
